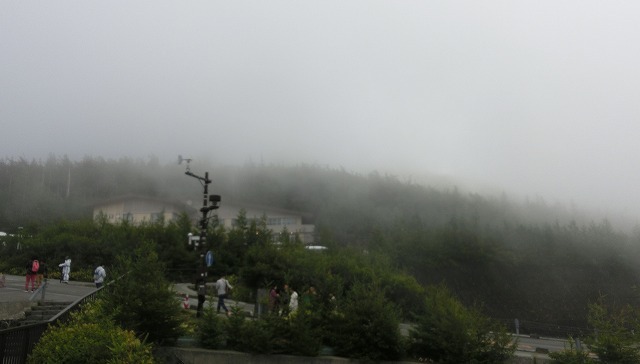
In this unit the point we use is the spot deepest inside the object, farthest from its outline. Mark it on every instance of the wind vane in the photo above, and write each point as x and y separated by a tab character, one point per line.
180	160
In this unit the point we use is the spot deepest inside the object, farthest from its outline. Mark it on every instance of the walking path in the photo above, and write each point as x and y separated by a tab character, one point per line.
13	294
183	289
14	301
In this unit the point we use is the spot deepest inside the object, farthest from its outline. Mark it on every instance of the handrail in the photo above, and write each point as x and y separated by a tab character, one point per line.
17	343
526	327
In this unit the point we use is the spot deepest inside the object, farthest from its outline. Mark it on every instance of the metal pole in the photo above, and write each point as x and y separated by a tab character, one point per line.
202	291
44	290
201	276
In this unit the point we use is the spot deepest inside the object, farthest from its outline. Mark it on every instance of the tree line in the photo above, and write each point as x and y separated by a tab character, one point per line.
529	260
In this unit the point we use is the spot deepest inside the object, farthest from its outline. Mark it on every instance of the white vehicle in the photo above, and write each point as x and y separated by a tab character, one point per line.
315	247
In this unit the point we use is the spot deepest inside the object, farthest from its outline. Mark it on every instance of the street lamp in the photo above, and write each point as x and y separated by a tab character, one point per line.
209	203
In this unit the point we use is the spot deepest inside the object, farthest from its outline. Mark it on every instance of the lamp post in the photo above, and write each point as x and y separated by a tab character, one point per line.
209	203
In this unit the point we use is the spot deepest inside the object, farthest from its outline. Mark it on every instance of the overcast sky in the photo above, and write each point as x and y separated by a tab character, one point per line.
539	98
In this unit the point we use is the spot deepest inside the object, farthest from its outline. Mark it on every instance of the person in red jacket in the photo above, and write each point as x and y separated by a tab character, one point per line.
31	274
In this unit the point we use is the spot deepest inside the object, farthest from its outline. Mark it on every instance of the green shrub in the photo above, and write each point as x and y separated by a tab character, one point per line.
269	334
405	292
90	337
280	331
571	355
257	337
615	340
210	329
368	329
305	333
448	332
234	329
80	275
242	334
142	299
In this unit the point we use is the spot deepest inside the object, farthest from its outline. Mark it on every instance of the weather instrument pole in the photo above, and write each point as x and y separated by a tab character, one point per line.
201	245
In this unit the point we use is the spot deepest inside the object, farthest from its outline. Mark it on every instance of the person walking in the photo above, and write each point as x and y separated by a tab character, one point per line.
32	271
99	275
284	298
309	298
293	301
66	269
201	287
222	287
274	300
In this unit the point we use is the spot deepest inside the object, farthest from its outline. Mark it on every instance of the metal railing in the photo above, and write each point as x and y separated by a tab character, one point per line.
18	342
525	327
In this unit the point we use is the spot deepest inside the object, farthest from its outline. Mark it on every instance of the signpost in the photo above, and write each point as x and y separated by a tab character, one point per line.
209	259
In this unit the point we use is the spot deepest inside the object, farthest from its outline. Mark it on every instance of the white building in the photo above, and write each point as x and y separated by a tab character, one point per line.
296	223
137	209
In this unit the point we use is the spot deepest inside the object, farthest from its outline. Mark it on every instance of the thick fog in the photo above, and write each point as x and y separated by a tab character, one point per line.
534	98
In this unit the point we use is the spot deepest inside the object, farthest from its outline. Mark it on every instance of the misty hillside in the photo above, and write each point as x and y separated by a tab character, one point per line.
519	259
43	191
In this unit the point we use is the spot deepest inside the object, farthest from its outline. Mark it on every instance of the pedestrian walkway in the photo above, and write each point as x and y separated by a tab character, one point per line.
14	300
183	289
13	291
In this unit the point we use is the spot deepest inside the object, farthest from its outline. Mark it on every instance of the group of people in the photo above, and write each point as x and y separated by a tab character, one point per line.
37	272
285	301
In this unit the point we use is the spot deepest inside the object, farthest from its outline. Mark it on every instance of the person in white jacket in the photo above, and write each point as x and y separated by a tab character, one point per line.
222	286
99	275
293	301
66	269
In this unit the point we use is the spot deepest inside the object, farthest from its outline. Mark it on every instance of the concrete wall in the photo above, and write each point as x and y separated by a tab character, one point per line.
203	356
13	310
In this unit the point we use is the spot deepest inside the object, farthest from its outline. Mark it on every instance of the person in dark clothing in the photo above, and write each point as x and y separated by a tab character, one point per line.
202	296
284	300
274	300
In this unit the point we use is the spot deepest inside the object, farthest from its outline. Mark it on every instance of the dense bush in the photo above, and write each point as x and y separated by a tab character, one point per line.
234	329
368	326
296	334
448	332
210	329
572	355
306	332
258	337
90	337
270	334
142	299
615	337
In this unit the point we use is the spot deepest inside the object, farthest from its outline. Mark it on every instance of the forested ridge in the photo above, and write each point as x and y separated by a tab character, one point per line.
526	260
